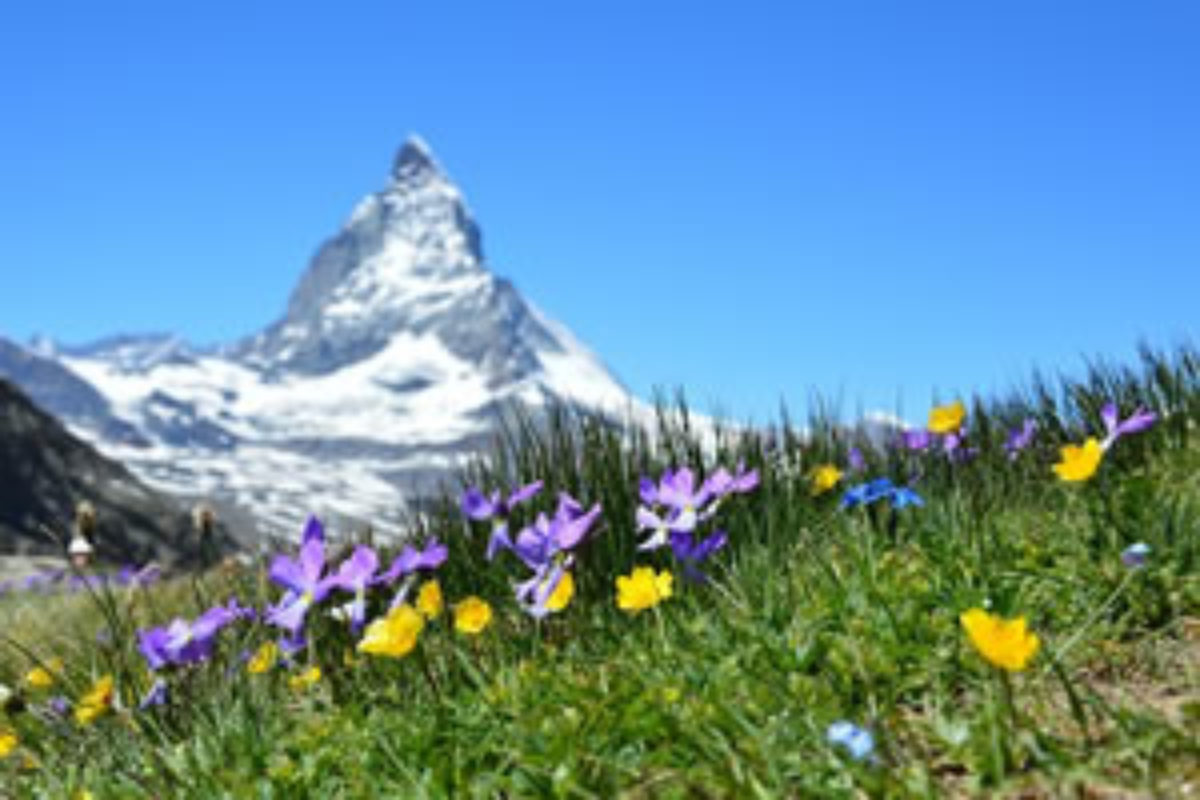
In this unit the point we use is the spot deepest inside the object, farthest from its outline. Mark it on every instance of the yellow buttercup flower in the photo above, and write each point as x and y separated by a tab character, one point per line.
264	659
824	478
642	589
948	418
95	702
394	635
1005	643
472	616
562	593
8	743
306	679
43	677
1080	462
429	599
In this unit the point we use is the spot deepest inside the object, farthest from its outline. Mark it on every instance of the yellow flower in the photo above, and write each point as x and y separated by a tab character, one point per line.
43	677
8	743
562	593
947	419
824	478
95	702
306	679
1005	643
264	659
394	635
1079	462
429	599
472	615
642	589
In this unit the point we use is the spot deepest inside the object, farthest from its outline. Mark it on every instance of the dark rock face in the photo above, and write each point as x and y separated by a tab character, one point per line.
45	472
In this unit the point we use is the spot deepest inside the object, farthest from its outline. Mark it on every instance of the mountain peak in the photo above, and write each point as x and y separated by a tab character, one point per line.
414	155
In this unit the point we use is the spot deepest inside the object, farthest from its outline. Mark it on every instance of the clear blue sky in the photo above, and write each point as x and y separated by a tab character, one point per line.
876	201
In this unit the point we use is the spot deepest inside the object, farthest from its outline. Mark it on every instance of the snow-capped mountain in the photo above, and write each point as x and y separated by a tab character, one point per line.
387	368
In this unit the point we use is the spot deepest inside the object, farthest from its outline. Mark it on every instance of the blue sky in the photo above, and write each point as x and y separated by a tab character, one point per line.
874	201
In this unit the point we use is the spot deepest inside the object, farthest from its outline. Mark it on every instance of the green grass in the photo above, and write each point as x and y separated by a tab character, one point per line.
814	615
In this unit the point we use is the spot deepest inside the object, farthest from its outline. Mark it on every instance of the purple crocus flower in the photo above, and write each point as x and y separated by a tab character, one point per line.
1141	420
855	461
152	644
916	440
480	507
540	542
410	560
1020	438
303	578
354	576
533	593
722	483
691	554
545	547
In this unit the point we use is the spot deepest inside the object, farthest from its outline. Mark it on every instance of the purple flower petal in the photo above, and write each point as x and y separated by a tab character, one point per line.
1109	415
357	570
569	533
523	493
477	506
313	531
1140	421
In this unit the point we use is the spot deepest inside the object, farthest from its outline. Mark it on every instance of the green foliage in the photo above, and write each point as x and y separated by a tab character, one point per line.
814	614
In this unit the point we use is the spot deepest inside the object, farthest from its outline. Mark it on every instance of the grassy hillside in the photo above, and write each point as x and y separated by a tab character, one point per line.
833	600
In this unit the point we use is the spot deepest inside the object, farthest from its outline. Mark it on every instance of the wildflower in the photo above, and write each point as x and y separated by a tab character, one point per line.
1116	427
903	497
690	554
305	680
479	507
1079	462
881	489
857	741
686	505
98	700
855	462
59	705
264	658
472	616
545	547
1020	438
824	478
867	493
42	677
156	696
393	635
562	594
429	600
354	575
916	440
1004	643
1135	555
723	483
948	418
411	559
302	577
8	743
182	642
642	589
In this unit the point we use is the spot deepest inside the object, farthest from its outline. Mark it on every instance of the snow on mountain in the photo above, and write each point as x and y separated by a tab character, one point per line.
384	372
